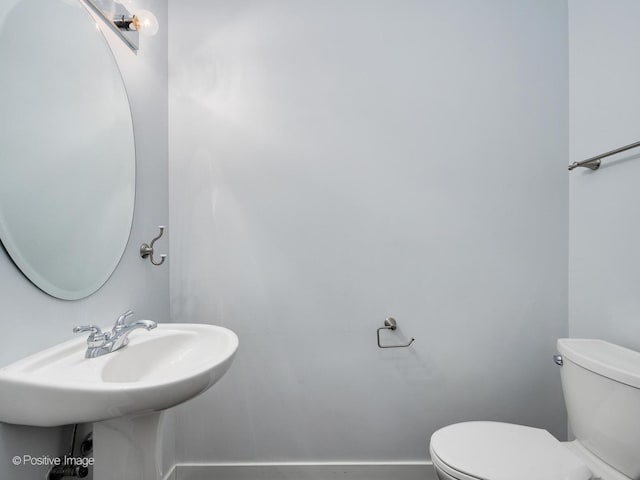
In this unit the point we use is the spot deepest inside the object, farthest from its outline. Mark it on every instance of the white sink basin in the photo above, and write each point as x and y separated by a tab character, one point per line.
157	370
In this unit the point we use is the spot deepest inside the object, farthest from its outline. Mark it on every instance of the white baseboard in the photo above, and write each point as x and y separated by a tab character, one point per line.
304	471
171	474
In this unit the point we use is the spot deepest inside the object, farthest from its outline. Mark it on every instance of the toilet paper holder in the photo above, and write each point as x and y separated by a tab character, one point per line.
391	324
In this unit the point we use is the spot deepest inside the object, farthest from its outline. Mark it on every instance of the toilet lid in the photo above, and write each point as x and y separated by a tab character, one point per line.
503	451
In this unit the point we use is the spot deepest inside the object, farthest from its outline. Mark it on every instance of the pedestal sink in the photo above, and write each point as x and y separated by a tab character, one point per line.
123	392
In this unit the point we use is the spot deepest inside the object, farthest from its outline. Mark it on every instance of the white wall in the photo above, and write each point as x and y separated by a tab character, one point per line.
605	114
34	320
333	163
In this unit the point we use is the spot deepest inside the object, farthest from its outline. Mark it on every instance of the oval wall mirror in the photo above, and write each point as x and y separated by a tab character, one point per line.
67	153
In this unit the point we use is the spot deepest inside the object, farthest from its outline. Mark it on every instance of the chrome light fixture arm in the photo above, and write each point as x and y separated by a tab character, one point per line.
122	22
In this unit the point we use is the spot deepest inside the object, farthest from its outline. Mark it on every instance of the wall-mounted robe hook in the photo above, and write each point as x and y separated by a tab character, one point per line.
391	324
147	250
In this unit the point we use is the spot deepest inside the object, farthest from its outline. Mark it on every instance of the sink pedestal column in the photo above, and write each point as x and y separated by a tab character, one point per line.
128	447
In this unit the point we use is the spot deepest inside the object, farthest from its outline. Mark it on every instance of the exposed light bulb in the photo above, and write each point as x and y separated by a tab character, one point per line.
145	22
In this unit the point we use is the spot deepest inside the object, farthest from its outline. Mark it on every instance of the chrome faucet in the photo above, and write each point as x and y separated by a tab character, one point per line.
100	343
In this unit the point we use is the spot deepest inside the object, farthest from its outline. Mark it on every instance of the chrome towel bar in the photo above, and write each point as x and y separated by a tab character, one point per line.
593	163
391	324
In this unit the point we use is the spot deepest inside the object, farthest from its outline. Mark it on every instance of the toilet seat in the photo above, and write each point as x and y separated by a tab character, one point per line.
445	472
503	451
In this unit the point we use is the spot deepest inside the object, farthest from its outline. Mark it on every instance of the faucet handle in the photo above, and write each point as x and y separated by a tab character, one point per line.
94	329
97	337
122	319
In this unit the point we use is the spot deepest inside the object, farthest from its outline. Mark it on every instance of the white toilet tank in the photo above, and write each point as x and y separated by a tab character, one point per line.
601	384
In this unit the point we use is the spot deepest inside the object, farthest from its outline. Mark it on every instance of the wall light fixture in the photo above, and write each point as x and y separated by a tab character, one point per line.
117	15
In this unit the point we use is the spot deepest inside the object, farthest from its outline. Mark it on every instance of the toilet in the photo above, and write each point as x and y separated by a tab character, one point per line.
601	385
